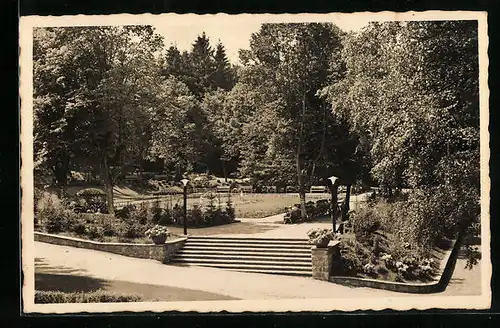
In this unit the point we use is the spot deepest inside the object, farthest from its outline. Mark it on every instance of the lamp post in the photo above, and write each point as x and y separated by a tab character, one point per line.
185	183
333	190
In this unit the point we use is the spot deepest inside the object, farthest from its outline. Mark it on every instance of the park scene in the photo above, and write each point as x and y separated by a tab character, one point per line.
315	161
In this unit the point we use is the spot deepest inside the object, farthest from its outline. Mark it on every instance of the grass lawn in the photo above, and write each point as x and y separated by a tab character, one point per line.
232	228
248	205
149	293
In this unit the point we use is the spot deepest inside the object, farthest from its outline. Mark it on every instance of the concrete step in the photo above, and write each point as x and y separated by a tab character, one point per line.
267	262
283	272
256	266
245	249
242	259
251	240
237	253
239	245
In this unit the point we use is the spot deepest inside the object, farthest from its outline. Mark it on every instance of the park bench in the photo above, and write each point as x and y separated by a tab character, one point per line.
223	188
320	189
270	189
161	177
131	177
245	188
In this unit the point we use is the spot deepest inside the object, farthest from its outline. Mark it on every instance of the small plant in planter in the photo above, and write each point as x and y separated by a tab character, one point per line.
158	234
320	237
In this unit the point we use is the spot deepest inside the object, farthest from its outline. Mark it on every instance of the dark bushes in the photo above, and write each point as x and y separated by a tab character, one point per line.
99	296
314	209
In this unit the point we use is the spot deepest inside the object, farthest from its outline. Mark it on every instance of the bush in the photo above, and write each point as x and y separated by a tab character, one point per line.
53	214
365	223
94	200
80	228
95	232
99	296
125	212
134	230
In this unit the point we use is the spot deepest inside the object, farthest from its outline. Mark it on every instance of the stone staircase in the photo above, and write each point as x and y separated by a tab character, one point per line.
256	255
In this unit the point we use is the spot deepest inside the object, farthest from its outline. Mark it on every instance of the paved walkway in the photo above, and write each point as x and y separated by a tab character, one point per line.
100	265
240	285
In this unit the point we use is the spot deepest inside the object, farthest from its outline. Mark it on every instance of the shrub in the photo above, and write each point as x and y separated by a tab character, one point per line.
142	213
365	223
99	296
134	230
109	229
94	200
95	232
53	214
80	228
156	212
125	212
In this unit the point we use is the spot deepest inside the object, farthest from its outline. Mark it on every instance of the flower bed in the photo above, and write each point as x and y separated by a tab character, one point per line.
376	262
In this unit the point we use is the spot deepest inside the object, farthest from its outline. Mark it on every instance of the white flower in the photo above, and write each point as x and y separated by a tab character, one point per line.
386	257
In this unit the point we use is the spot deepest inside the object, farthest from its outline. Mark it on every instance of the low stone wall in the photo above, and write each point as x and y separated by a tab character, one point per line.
162	253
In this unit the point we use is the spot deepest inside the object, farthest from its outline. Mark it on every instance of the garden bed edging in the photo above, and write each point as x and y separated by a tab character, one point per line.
162	253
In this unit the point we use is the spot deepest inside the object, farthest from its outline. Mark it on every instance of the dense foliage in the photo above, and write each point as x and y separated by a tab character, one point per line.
98	296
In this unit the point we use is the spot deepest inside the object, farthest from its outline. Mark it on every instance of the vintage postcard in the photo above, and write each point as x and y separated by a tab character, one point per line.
255	162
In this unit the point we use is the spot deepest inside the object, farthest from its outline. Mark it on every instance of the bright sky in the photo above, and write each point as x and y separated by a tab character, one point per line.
234	30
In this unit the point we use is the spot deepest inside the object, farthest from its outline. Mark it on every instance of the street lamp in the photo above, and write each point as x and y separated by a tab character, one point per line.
333	189
185	183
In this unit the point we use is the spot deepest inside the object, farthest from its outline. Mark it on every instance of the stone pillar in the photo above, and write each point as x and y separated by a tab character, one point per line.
321	262
323	259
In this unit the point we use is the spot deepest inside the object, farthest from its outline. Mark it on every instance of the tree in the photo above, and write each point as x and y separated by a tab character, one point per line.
96	77
410	94
222	76
290	62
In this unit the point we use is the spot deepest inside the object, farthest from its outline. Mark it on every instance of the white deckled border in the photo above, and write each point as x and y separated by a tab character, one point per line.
293	305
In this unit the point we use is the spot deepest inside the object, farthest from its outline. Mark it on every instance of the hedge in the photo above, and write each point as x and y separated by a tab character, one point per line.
98	296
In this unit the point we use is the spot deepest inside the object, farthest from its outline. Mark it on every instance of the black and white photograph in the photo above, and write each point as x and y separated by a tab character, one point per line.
255	162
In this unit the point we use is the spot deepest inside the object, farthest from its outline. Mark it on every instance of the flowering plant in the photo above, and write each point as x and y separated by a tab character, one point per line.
386	257
157	231
319	236
369	268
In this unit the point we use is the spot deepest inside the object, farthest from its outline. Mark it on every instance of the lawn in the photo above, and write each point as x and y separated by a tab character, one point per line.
246	205
242	228
68	280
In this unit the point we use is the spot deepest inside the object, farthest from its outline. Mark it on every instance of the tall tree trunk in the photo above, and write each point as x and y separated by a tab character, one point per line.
322	146
224	169
300	178
108	185
347	200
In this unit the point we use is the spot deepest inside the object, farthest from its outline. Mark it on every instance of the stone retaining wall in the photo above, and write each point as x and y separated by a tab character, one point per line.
162	253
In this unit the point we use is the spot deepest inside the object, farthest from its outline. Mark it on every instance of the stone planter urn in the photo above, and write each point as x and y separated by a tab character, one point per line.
158	240
322	243
320	237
